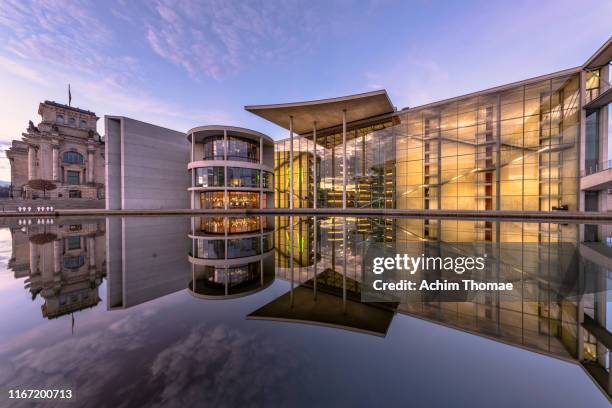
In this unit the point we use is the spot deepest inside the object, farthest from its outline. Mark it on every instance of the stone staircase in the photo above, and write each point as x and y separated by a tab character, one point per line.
11	205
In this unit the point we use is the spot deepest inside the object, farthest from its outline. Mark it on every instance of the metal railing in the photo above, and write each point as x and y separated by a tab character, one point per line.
596	168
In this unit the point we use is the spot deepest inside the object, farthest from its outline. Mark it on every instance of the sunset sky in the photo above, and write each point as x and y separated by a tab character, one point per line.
184	63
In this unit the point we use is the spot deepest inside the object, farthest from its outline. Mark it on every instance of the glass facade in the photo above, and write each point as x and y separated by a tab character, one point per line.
243	200
231	225
228	281
267	179
210	177
241	177
242	247
302	168
213	148
515	149
242	149
591	144
210	200
210	249
222	185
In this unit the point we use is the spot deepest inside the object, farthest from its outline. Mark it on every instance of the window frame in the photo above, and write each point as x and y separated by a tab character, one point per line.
73	172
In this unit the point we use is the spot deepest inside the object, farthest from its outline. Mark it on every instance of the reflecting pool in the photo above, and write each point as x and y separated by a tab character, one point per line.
269	310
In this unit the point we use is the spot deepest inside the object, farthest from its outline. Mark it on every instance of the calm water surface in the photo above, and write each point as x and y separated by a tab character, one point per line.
179	311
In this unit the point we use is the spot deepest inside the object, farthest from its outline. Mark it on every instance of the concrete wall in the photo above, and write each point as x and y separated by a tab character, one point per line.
113	163
146	166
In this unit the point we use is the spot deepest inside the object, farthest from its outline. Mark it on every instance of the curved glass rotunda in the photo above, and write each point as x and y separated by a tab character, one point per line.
231	168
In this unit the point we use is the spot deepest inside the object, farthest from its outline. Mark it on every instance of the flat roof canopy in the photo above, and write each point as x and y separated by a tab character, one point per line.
326	112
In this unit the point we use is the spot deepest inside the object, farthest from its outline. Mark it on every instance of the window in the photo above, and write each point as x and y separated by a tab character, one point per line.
609	137
71	122
74	194
210	177
241	177
82	124
592	85
59	119
214	148
212	200
243	200
242	149
73	243
73	177
268	180
74	262
591	150
241	247
210	248
73	158
268	242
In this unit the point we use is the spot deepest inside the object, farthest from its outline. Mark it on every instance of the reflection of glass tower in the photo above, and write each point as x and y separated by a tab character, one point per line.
63	263
557	307
231	256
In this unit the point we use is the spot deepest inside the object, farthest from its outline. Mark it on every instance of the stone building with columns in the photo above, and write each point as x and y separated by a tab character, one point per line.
65	148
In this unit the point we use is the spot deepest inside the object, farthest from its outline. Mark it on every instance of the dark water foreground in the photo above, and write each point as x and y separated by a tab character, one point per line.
267	311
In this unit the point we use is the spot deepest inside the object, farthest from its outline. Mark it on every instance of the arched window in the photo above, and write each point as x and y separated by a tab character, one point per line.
82	124
73	158
71	122
59	119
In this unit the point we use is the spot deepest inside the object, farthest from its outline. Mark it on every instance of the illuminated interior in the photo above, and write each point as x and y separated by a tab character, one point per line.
514	149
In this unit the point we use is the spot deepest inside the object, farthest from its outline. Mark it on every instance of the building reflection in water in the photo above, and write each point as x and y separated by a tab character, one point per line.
231	257
322	260
558	306
62	260
146	259
312	255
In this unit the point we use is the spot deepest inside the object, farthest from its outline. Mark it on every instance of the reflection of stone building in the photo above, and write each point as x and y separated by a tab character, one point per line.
64	148
63	263
231	256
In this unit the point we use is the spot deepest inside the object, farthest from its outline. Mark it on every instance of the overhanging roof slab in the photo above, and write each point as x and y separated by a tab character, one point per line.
325	112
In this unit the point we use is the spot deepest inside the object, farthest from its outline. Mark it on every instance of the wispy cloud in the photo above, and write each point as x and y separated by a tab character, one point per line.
64	34
21	70
61	41
216	37
226	370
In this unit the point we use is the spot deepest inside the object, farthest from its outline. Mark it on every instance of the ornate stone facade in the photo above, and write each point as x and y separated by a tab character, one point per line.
64	148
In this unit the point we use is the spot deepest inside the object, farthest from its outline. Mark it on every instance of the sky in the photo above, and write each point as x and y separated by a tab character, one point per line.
186	63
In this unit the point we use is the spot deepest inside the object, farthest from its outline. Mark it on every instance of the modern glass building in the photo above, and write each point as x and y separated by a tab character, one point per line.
517	147
231	168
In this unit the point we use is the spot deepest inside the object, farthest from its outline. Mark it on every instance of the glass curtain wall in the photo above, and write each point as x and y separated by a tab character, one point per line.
370	162
514	150
511	150
302	167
